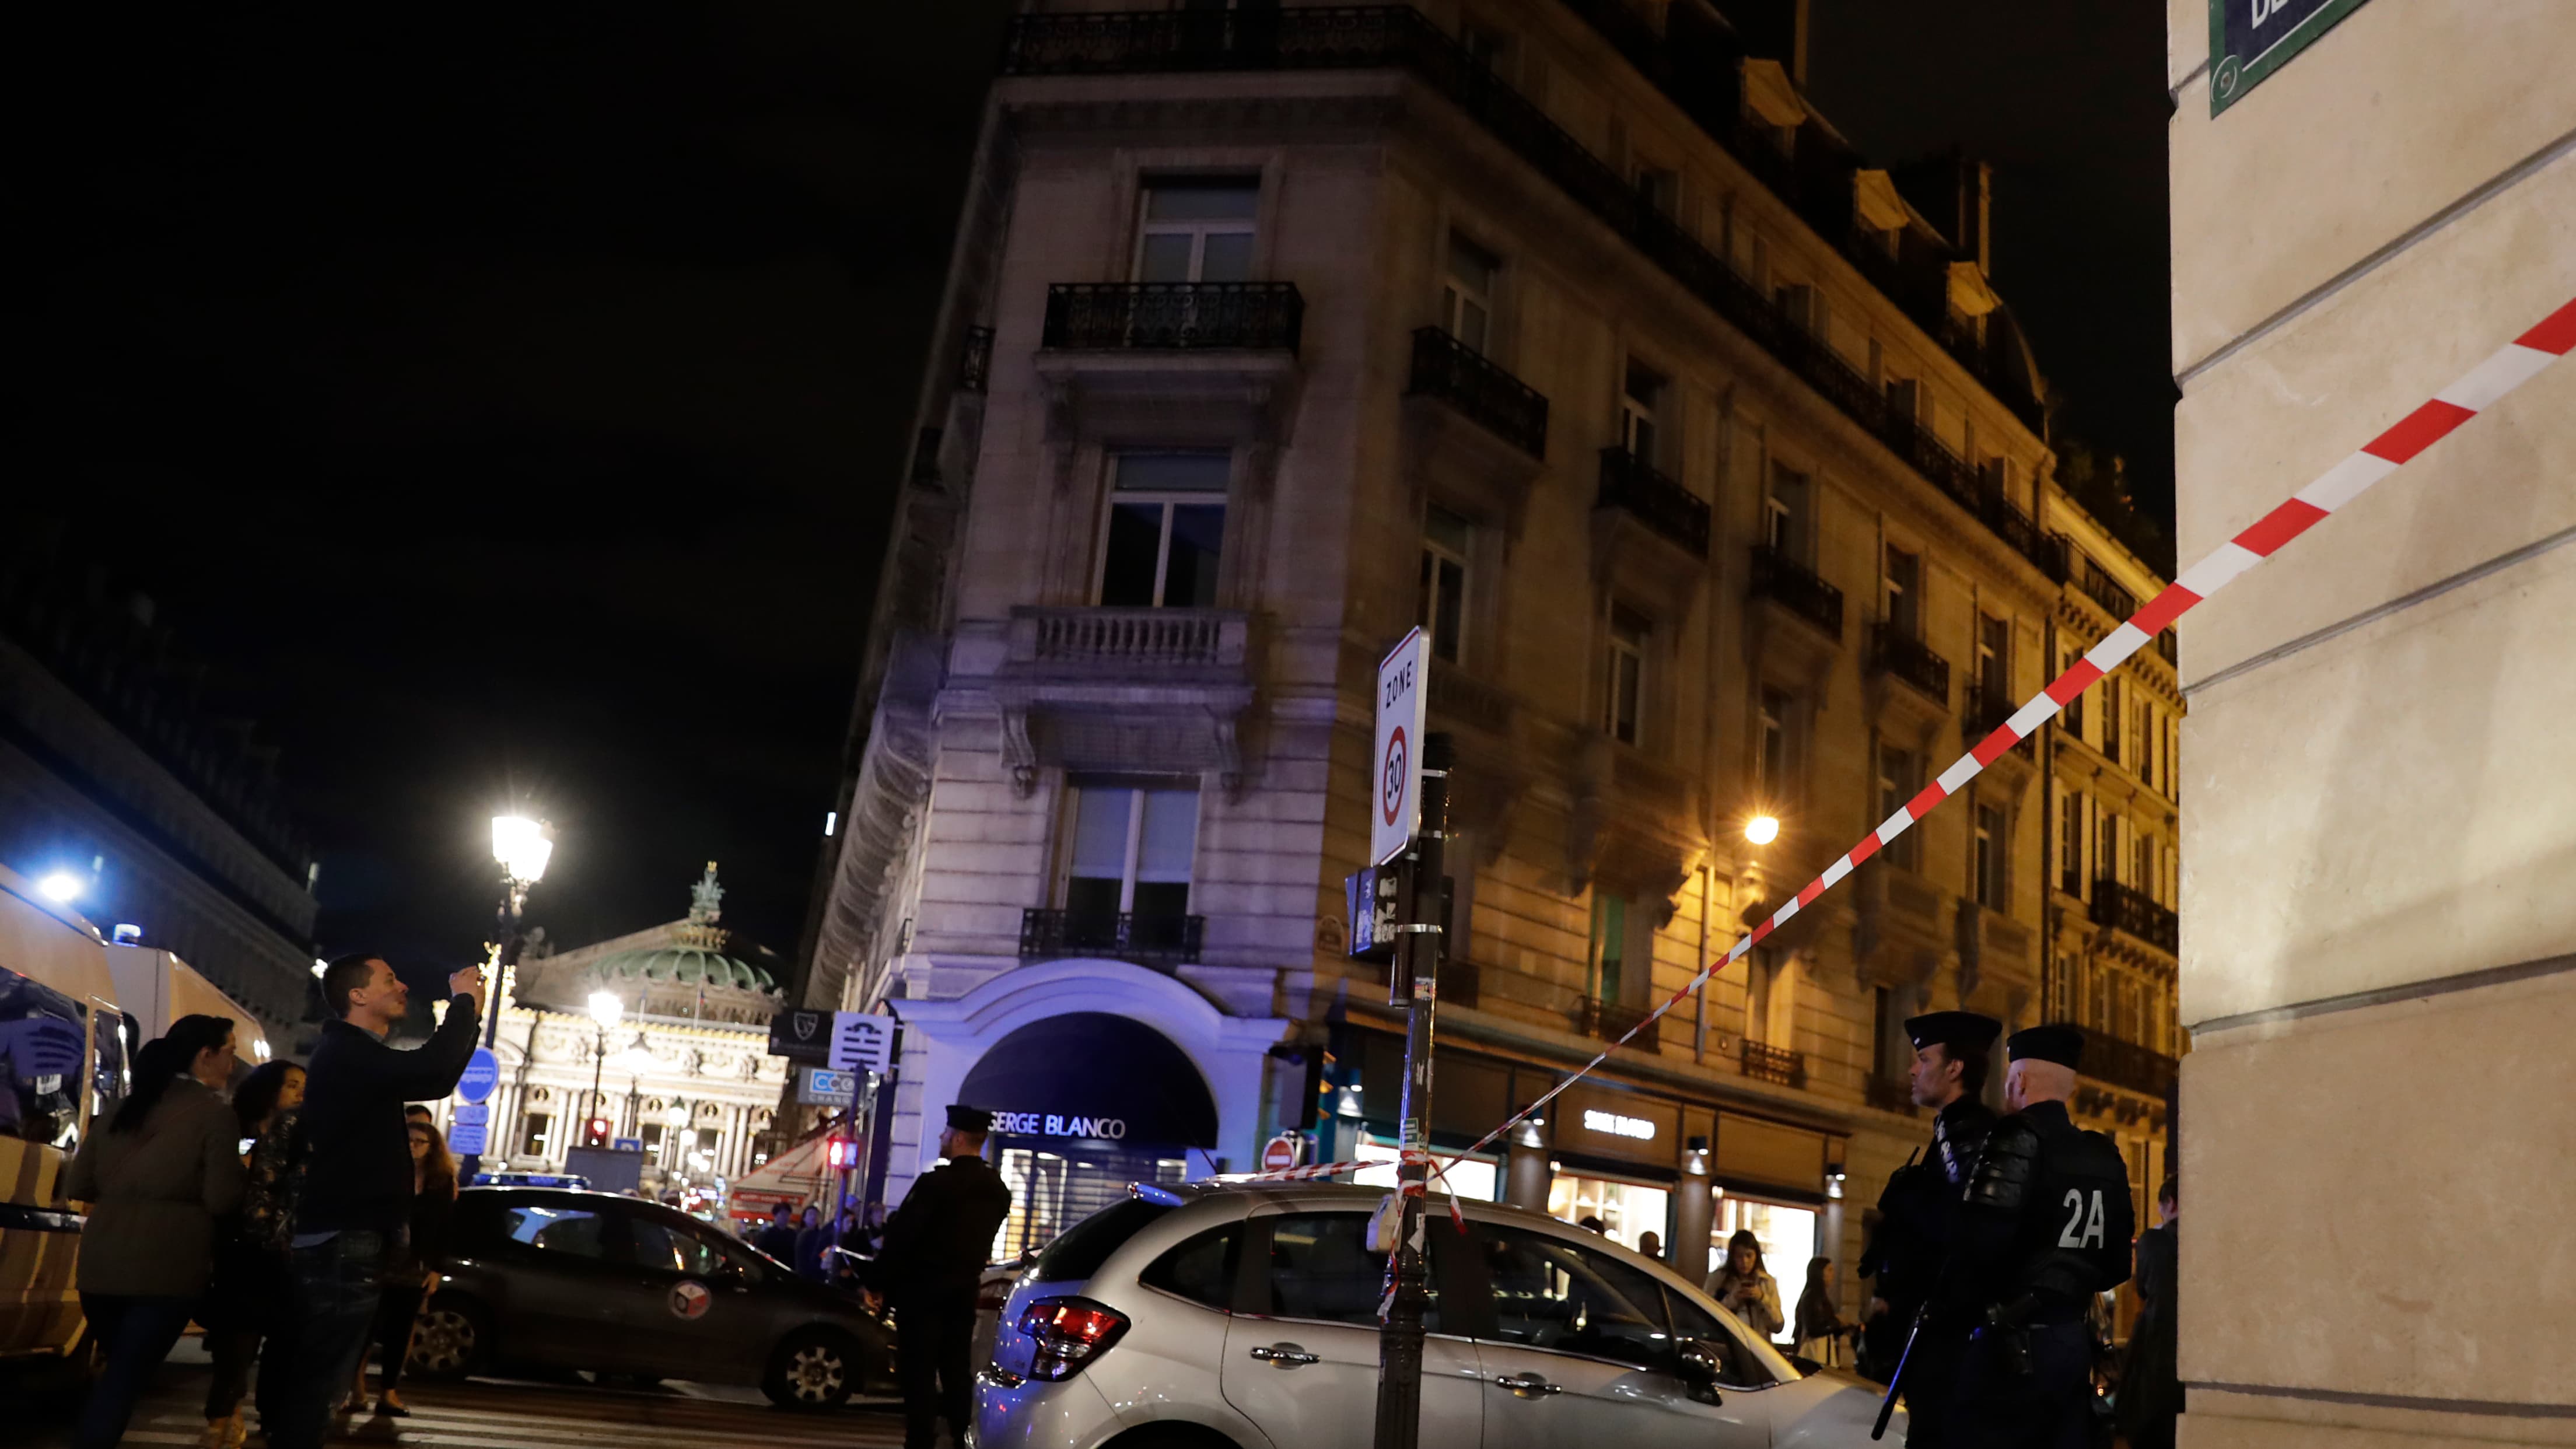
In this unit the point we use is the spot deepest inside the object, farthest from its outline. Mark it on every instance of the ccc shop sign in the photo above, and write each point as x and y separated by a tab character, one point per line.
1056	1124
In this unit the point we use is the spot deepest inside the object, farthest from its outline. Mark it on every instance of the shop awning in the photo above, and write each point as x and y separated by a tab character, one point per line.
1088	1074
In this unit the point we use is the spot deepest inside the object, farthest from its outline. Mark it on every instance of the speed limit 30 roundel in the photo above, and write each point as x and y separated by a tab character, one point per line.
1398	738
1391	791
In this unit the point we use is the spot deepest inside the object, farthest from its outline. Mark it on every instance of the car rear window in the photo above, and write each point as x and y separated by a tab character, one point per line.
1078	1251
1201	1269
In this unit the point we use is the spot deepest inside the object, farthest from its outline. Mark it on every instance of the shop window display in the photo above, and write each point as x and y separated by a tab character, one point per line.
1626	1209
1787	1235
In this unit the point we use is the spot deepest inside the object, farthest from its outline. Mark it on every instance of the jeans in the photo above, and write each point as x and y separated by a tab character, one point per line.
2046	1403
136	1334
934	1348
314	1353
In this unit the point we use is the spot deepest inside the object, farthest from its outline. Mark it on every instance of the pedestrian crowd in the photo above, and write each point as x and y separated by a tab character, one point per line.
302	1223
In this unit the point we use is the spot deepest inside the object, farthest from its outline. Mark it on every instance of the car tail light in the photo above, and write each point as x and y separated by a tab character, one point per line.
1068	1333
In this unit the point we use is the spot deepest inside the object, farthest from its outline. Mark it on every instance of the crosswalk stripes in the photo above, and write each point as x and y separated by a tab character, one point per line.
669	1423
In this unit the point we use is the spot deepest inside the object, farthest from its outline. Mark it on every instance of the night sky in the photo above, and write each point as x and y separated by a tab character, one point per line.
508	402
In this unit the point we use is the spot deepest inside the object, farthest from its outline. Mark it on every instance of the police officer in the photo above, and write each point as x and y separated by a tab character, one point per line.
1915	1210
2043	1227
933	1254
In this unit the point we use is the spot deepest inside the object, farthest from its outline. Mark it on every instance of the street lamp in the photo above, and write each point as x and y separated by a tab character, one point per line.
521	847
1762	829
605	1009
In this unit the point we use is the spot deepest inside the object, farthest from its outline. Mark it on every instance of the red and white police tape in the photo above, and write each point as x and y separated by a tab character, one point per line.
2512	365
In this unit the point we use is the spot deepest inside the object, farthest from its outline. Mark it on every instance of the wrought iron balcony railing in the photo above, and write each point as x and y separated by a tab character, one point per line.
2168	646
1673	512
1911	660
1988	708
1766	1063
1353	37
1797	588
2127	1064
2127	909
2105	590
975	364
1118	935
1510	409
1610	1020
1174	316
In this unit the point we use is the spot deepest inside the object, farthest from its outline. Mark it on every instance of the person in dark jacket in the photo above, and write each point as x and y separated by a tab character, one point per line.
934	1252
812	1240
156	1183
413	1275
2151	1392
354	1204
778	1239
250	1250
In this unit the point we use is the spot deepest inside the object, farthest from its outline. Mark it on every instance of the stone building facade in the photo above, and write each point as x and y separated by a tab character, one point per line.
119	768
1707	456
2375	963
685	1072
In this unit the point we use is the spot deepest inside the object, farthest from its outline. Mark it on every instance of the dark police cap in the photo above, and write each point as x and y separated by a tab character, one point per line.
2056	1042
1962	1030
962	1118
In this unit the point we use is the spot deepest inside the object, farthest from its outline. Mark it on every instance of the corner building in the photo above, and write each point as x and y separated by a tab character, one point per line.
1704	452
2375	960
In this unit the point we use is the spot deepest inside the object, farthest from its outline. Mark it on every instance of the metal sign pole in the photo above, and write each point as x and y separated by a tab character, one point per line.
1399	1380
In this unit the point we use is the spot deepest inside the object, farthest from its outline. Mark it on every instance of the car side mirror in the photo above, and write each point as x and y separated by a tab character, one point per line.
1696	1364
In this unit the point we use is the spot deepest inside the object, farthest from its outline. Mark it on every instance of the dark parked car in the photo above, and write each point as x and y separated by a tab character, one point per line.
618	1285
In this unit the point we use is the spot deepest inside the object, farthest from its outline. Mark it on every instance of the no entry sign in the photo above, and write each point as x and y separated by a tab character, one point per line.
1396	799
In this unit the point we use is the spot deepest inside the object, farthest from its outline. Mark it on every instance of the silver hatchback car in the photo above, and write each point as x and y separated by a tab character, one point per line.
1246	1315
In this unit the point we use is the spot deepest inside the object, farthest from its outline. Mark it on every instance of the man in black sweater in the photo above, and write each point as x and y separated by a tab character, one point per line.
354	1201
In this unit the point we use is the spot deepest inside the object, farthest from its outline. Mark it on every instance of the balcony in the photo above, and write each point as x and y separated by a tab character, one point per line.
2168	646
1128	639
1336	38
1890	1094
1461	698
1510	409
1798	589
975	364
2128	1065
1524	997
1154	690
1174	316
2106	591
2136	913
1894	652
1157	941
1903	932
1609	1020
1995	950
1765	1063
1667	509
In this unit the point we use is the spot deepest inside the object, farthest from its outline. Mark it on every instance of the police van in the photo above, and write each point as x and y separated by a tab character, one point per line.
73	1011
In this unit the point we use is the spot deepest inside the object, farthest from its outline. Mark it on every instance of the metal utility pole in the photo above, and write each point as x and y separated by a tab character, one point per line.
1415	985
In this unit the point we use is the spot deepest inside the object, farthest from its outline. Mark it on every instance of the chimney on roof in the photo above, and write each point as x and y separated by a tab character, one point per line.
1773	30
1975	230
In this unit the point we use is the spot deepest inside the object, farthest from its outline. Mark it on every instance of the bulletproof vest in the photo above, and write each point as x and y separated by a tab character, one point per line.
1957	1136
2075	1225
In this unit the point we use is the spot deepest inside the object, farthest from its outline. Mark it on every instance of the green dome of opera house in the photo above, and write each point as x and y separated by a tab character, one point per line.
682	965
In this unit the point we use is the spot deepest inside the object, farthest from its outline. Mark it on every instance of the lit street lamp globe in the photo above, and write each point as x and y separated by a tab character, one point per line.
606	1009
1762	829
522	846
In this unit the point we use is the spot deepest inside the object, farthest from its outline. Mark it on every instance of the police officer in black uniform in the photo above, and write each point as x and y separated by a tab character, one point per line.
2043	1227
1915	1210
927	1268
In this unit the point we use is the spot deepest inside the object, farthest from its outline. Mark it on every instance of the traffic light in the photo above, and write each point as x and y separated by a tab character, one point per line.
599	1132
844	1154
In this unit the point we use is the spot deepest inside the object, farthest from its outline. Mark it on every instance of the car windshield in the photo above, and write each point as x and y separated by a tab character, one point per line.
1078	1251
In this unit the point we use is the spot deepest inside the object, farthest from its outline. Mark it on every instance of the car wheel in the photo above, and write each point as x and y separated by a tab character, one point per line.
815	1368
453	1339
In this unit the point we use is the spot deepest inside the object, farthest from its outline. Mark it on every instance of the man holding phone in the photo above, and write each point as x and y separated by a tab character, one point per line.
354	1201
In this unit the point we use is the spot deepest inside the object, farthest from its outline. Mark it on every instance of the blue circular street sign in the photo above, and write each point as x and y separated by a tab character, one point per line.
482	1074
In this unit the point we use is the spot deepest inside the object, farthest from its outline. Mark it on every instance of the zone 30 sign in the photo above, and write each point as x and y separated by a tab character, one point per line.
1400	698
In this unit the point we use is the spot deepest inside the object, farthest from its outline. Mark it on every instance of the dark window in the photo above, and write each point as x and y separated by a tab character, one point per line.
1201	1269
1552	1294
1078	1251
574	1232
43	1041
668	1247
1320	1268
1905	592
1166	530
1993	847
1440	602
1739	1366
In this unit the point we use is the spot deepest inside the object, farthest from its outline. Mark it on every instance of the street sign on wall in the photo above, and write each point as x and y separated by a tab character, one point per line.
2250	39
861	1042
801	1036
824	1087
1397	779
467	1137
482	1074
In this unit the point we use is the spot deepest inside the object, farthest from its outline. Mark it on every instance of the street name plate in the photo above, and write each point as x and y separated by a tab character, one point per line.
2250	39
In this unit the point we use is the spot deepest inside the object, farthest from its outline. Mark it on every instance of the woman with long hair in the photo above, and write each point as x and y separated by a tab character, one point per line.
156	1183
1821	1329
410	1278
1745	1288
250	1277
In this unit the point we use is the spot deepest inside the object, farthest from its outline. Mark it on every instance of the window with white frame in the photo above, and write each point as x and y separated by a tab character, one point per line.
1776	733
1786	509
2142	740
1991	859
2073	715
1624	675
1440	603
2114	718
1905	591
1641	402
1166	530
2070	843
1771	998
2106	848
1467	293
1197	229
1994	659
1131	848
2142	866
1900	779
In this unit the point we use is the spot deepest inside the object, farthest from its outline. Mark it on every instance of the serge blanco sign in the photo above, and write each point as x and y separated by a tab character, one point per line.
1396	802
1060	1124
